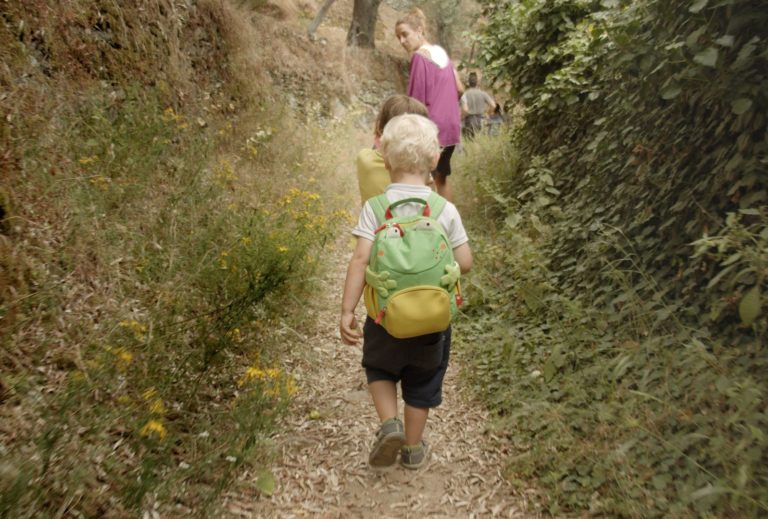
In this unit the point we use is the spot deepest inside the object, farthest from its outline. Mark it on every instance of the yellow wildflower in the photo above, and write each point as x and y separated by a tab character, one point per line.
124	359
282	249
88	160
223	264
234	335
290	386
157	407
139	330
252	373
149	394
100	182
153	428
170	115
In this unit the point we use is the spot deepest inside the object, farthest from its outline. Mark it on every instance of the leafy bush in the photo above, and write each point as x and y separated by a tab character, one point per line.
630	95
622	332
629	413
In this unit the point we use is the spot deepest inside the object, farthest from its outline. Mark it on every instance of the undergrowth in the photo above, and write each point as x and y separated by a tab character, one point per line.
152	245
621	410
158	282
623	329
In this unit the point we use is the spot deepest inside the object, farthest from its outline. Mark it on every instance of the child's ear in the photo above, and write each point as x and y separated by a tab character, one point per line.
376	141
386	165
435	160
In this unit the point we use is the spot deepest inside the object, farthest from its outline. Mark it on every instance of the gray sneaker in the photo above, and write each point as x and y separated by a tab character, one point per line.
389	439
414	457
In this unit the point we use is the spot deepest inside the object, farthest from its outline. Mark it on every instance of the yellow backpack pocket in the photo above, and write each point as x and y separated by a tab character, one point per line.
415	311
371	301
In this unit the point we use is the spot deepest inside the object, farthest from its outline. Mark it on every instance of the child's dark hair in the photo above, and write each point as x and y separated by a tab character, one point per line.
398	104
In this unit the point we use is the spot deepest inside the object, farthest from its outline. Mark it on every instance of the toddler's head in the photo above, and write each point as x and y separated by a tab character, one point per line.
397	104
409	145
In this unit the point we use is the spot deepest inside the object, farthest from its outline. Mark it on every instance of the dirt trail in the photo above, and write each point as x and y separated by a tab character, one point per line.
328	433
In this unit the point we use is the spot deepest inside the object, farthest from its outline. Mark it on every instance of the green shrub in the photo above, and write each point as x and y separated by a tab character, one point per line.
624	409
647	117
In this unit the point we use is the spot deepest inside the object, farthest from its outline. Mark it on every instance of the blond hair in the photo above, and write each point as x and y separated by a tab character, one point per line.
398	104
409	144
415	19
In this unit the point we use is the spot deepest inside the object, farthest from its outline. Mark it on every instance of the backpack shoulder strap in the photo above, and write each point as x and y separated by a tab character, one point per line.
379	204
436	205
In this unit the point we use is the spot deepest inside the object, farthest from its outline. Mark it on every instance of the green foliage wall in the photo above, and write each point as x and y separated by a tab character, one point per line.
630	260
651	117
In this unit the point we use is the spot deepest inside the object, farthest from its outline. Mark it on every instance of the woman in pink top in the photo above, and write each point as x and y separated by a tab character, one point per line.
434	82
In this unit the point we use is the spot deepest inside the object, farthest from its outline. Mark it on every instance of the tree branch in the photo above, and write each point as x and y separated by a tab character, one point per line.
319	18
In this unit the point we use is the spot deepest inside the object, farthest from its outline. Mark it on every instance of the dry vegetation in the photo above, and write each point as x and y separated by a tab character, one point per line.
158	205
169	175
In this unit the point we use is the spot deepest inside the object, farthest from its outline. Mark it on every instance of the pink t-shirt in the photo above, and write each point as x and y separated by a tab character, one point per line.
435	86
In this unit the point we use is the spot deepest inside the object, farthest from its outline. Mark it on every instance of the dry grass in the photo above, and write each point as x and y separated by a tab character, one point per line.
142	168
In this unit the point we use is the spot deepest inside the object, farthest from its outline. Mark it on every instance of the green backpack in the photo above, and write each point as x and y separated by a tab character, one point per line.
412	279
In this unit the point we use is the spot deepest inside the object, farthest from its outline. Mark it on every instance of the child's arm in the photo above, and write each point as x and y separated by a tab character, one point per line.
353	289
463	256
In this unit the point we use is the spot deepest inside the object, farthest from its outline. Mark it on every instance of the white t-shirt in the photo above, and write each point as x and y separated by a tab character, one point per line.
449	218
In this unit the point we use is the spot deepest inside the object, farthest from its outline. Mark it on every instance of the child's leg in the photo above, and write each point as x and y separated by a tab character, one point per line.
415	422
384	394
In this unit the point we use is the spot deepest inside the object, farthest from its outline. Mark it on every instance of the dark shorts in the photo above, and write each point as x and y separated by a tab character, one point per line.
472	125
419	364
444	163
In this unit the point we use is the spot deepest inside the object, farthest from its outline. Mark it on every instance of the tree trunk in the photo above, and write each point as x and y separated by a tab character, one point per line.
319	18
362	31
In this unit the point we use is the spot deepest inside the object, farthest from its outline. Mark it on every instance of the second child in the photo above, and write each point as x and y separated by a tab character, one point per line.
372	176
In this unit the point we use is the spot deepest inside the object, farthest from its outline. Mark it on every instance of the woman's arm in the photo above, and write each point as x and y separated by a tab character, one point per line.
459	84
